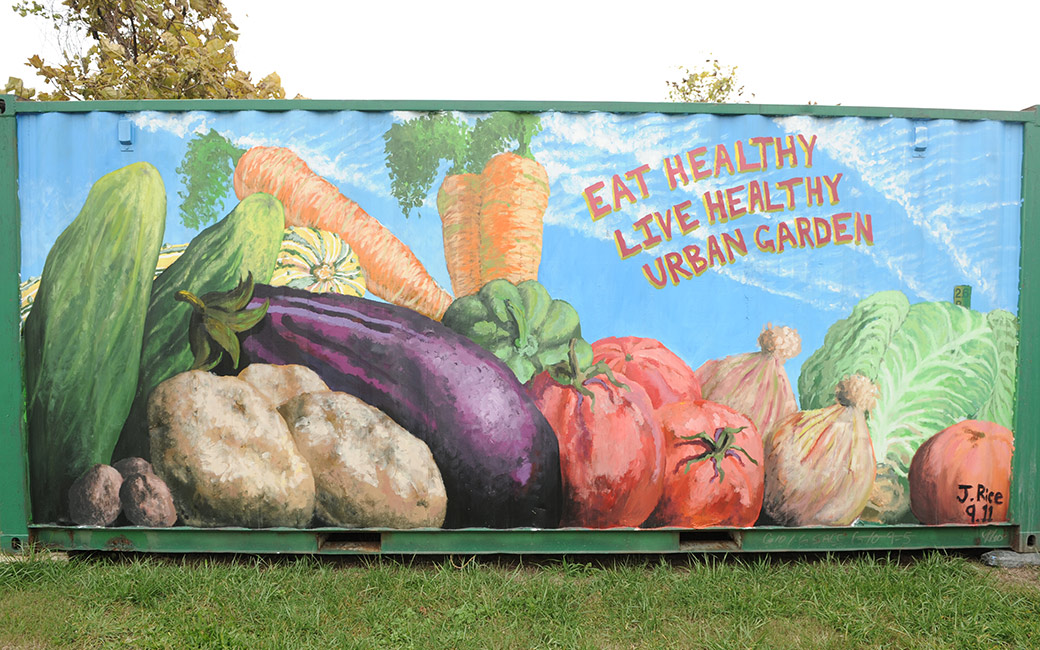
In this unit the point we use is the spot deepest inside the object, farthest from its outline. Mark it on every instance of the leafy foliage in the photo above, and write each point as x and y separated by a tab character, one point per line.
206	172
939	369
712	83
144	49
494	134
854	345
416	149
1000	407
17	87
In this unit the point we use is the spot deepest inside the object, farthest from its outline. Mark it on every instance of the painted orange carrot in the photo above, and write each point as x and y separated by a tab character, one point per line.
458	202
392	270
516	193
493	222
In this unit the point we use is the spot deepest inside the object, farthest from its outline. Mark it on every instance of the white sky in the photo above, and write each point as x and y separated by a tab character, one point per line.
951	54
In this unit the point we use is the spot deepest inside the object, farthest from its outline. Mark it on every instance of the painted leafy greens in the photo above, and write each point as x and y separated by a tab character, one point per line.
1000	407
855	345
938	369
934	363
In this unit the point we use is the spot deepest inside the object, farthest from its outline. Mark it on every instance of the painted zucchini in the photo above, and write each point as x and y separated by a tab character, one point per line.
83	334
497	454
246	240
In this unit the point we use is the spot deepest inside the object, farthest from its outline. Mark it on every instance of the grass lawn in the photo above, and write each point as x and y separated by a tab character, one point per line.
927	600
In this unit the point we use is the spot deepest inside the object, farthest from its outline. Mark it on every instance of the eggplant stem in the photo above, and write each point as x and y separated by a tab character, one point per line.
220	322
193	300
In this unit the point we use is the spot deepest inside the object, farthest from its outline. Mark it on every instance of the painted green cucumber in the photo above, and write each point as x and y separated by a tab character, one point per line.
83	335
246	240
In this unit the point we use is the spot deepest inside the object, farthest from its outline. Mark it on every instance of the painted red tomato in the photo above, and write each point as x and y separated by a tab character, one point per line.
663	375
611	450
962	475
713	468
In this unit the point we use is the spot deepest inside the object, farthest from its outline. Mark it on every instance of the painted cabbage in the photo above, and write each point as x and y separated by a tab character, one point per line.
1000	407
854	345
939	368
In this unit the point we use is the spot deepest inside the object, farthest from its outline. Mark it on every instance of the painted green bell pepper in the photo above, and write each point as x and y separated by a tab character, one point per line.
521	325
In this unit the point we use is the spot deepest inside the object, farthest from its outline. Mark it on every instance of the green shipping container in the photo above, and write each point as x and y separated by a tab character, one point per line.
518	327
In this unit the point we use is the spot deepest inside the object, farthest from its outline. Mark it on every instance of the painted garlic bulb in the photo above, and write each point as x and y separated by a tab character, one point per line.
755	383
820	464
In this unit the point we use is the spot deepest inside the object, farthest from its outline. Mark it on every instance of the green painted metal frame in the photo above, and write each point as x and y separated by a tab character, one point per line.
275	105
1024	507
334	541
17	530
14	495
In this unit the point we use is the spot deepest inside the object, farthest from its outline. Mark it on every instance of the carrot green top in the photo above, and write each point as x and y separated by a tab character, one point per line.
205	172
416	149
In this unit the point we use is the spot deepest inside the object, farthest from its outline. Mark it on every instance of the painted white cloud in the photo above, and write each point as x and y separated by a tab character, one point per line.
339	168
849	141
645	139
179	124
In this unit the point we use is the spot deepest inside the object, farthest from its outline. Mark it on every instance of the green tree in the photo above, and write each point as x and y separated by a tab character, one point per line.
711	82
142	49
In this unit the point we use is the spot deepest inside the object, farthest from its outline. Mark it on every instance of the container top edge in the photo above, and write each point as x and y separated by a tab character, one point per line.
13	106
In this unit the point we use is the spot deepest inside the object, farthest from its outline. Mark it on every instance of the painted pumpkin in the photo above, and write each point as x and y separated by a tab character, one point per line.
663	375
962	475
611	449
318	261
713	469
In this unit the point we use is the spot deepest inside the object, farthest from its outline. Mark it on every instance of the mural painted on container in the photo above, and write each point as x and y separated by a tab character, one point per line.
401	320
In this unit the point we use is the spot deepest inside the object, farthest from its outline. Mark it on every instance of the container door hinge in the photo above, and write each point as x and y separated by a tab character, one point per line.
920	141
126	135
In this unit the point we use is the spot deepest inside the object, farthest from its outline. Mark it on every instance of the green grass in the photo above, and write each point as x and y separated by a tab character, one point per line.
932	600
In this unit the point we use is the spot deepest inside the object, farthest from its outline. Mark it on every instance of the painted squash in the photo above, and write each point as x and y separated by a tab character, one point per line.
318	261
663	375
962	475
714	472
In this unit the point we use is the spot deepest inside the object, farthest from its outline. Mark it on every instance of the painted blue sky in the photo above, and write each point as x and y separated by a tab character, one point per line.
946	216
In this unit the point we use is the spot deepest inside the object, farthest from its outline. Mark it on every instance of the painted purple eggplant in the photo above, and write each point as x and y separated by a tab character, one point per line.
498	456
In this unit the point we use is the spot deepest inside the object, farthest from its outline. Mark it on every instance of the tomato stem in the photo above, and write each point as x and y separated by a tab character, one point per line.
583	375
720	445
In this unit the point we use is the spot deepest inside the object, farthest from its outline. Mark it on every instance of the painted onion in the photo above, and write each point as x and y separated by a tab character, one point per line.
819	464
755	383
